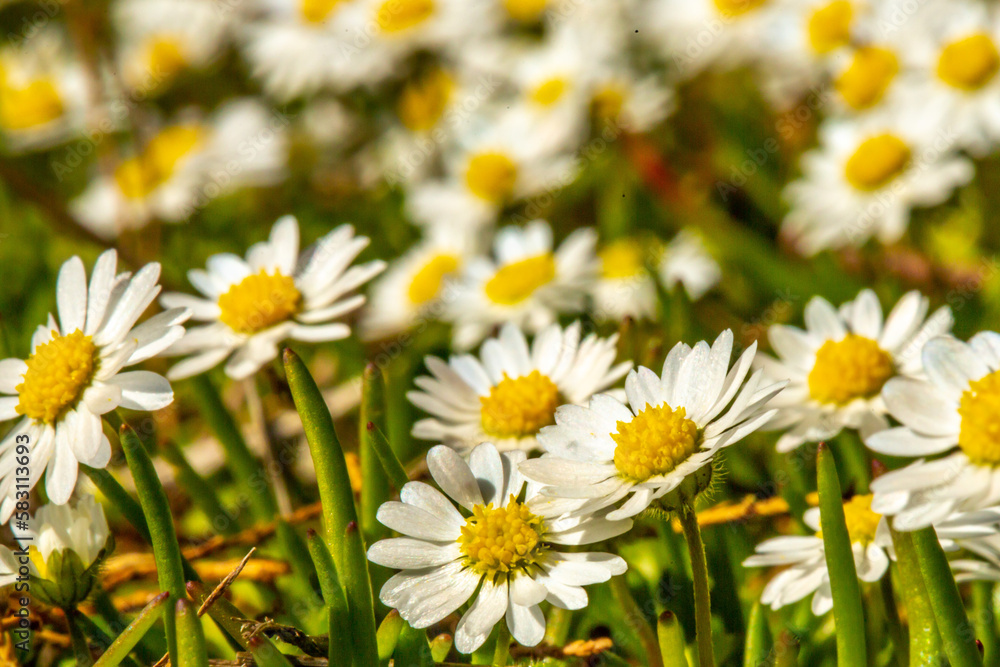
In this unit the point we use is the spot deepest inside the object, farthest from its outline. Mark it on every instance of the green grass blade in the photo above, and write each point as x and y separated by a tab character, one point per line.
758	644
130	636
374	481
848	612
191	651
333	595
925	641
412	649
671	638
388	634
358	587
957	637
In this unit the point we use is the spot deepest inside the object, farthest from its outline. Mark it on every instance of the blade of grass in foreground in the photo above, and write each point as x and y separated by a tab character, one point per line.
758	645
671	637
925	642
130	636
942	591
191	648
848	612
374	484
333	595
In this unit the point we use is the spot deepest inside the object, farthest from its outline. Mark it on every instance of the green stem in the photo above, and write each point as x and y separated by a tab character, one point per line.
957	634
502	651
699	575
247	470
130	637
191	648
896	632
635	618
671	638
925	642
985	621
81	649
758	644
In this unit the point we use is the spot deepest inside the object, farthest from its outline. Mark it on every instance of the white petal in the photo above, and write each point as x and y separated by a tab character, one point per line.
143	390
71	295
921	406
60	475
486	466
527	624
415	522
403	553
478	622
454	477
11	374
904	442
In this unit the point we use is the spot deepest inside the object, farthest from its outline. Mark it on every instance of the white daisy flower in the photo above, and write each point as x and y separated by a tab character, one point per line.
837	367
504	546
512	391
686	261
867	175
74	374
672	427
956	405
250	305
185	165
162	38
871	543
618	95
625	286
44	95
868	76
525	282
808	574
958	61
418	284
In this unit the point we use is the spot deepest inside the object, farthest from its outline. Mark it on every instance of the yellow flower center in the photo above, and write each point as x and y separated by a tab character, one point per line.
501	539
259	301
519	407
864	82
491	176
861	521
607	102
32	105
969	63
139	176
654	442
399	15
549	92
979	408
877	162
525	10
58	372
850	368
317	11
830	26
164	57
737	7
515	282
426	283
622	259
422	102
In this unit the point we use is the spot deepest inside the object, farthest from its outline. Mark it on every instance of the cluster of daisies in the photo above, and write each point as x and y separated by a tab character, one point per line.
543	441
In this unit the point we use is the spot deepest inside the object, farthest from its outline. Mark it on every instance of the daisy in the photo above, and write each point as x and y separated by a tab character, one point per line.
619	96
162	38
250	305
74	374
625	286
671	428
525	282
418	284
686	261
837	367
186	164
958	61
512	391
871	543
954	406
44	96
866	177
504	545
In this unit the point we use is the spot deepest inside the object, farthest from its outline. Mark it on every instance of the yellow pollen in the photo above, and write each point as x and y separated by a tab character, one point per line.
861	521
515	282
501	539
58	372
32	105
622	259
519	407
141	175
864	82
422	102
491	176
830	26
737	7
877	162
164	57
654	442
525	10
607	103
426	283
979	408
549	92
850	368
969	63
259	301
400	15
317	11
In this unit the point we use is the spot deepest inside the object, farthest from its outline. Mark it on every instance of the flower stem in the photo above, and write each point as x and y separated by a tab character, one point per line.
635	618
80	647
699	574
502	650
